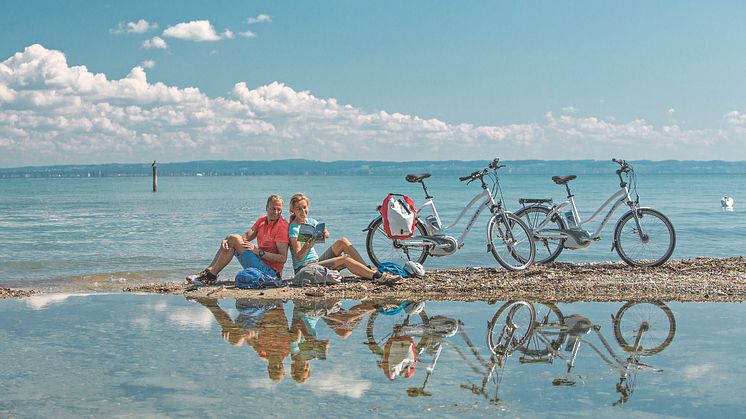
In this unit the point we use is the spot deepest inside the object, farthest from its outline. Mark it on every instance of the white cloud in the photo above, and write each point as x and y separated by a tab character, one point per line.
148	64
155	42
569	109
141	26
734	117
261	18
670	111
55	113
197	30
228	34
247	34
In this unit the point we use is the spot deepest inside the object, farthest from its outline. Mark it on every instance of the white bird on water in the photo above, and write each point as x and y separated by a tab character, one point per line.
726	203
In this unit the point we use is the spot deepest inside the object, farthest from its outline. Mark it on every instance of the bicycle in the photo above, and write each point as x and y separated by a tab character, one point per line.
509	239
640	328
643	237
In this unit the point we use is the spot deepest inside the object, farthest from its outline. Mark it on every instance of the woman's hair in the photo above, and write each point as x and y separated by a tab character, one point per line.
272	198
294	200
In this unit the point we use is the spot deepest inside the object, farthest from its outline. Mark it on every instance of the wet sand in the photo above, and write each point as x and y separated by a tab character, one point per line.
700	279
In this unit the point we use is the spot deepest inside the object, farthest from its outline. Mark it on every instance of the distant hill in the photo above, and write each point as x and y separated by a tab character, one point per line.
365	168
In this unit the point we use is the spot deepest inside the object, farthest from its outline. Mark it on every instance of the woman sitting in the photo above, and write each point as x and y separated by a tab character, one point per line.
339	256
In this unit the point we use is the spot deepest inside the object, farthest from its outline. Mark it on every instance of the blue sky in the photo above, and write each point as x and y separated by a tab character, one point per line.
95	82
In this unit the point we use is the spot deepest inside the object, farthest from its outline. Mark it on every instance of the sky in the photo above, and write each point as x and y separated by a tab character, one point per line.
87	82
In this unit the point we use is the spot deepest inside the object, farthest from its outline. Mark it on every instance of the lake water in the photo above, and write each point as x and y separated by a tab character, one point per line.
146	355
71	355
98	231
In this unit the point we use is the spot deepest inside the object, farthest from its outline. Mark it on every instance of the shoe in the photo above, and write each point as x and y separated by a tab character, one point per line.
388	279
203	278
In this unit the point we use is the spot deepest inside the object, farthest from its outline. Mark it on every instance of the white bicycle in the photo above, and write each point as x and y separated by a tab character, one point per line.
642	237
509	239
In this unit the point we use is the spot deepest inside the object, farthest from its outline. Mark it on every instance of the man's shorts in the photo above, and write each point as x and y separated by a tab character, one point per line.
249	259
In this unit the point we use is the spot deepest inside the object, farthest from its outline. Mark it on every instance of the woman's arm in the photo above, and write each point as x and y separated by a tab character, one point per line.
300	251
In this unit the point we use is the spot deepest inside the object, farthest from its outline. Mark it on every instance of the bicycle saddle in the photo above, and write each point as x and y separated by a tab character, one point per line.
414	178
563	180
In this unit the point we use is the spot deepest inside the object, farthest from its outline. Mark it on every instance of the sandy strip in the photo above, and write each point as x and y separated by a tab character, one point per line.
700	279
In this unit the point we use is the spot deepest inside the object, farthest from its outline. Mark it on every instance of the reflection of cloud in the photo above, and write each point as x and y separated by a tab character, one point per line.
263	383
159	306
341	384
191	319
38	302
142	322
692	372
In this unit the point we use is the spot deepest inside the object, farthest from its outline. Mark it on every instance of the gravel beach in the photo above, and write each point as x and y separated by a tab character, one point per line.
699	279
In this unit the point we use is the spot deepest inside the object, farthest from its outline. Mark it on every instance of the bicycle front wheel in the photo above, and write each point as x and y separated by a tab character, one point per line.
510	327
511	242
649	245
548	331
644	328
381	248
547	250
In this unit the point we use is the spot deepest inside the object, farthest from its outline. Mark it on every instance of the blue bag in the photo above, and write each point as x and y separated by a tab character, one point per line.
393	268
253	278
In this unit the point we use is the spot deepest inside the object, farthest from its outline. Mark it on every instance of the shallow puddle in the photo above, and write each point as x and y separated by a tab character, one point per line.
100	355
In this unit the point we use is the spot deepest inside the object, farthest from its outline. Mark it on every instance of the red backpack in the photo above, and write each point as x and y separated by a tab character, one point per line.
399	216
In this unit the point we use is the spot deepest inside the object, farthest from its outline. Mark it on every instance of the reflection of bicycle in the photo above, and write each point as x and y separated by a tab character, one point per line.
640	328
507	331
508	238
642	236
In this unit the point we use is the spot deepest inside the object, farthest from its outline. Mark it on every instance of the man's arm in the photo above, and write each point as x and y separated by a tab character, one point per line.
280	257
249	235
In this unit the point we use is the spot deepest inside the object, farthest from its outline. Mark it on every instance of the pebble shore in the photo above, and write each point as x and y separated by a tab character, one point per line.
699	279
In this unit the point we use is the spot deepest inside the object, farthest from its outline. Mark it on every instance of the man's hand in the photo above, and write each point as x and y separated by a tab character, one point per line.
326	233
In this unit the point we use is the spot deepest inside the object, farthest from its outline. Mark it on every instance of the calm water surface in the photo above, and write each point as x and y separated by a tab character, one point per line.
100	355
100	231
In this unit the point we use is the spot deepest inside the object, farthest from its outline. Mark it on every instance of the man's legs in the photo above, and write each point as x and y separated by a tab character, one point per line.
223	257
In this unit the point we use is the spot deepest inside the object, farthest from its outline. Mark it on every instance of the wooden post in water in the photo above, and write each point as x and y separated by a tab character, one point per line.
155	176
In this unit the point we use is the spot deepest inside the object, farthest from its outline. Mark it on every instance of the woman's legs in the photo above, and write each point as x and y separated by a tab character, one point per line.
346	262
343	245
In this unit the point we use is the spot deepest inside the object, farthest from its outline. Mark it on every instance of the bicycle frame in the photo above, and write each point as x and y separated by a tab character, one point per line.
619	198
488	201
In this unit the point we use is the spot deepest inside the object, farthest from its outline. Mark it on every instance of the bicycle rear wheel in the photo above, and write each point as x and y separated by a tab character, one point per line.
656	244
381	248
511	242
546	250
644	328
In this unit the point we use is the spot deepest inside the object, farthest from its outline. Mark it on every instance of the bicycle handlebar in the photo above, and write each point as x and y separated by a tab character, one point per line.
478	174
625	167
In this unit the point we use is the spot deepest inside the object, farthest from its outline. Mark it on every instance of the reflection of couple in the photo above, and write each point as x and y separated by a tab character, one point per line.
263	325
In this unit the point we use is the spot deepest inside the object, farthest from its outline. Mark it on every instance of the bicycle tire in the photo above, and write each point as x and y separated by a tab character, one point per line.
373	343
381	248
549	319
535	215
499	343
518	243
636	252
658	344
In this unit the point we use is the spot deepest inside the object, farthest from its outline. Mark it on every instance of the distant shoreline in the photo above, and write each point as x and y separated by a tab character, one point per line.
693	280
363	168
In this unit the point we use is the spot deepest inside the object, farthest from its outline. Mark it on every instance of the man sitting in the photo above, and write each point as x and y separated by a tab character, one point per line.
268	255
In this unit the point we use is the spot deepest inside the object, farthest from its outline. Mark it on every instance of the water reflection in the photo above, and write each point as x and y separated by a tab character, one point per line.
405	336
541	333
